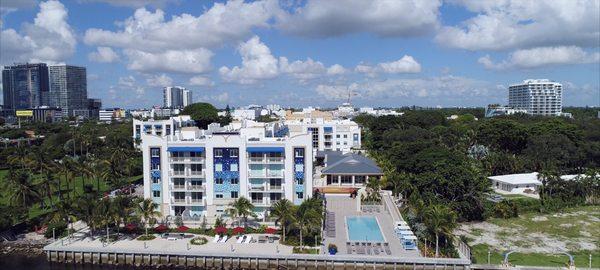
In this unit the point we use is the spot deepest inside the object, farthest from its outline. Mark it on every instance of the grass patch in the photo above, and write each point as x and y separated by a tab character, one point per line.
480	255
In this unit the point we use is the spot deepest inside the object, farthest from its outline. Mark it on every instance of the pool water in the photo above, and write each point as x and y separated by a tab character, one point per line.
363	229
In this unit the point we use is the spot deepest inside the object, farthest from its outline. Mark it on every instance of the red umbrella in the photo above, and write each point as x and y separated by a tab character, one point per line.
270	230
220	230
130	227
182	228
161	228
239	230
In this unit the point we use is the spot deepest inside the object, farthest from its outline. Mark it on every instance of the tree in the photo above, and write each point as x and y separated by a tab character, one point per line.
283	211
23	191
242	207
440	220
146	209
203	113
309	215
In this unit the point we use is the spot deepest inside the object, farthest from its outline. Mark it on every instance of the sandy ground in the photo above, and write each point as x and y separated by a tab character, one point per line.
513	237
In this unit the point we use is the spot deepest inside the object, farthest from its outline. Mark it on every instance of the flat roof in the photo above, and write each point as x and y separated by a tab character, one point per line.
517	179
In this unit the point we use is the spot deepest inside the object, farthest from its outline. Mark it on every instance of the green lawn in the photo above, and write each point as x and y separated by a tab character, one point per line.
76	186
480	254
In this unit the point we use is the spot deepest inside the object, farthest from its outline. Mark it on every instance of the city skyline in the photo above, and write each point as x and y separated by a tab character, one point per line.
455	53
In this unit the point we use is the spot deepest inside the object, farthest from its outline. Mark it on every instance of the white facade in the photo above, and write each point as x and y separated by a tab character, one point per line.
537	97
249	114
494	110
378	112
334	135
197	173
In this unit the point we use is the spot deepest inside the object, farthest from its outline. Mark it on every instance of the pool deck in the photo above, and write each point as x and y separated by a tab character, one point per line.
345	206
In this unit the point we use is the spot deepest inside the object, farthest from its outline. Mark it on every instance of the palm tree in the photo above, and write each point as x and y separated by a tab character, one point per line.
309	216
146	209
283	211
86	210
24	192
64	167
120	210
243	208
440	220
19	158
47	185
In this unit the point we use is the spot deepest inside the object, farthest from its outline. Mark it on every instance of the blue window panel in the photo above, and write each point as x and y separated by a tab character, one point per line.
185	149
265	149
299	188
156	186
155	174
328	129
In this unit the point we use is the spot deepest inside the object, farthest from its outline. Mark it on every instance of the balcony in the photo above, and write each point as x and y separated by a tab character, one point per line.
275	173
276	188
256	188
256	160
179	200
196	187
176	173
186	159
176	187
276	160
198	201
197	173
257	174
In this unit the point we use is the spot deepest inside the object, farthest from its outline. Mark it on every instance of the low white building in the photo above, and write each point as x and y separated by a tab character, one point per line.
379	112
328	135
521	183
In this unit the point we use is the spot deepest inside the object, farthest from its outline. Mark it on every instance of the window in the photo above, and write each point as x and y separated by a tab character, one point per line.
234	194
276	155
299	167
345	136
219	181
234	152
256	155
168	130
156	193
346	179
300	195
155	152
218	152
196	168
233	167
300	181
218	167
155	180
299	152
196	196
359	179
235	181
179	168
275	197
219	195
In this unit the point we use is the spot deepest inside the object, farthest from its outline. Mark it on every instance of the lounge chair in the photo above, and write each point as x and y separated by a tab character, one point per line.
387	249
368	249
360	249
376	250
217	238
224	239
241	239
248	239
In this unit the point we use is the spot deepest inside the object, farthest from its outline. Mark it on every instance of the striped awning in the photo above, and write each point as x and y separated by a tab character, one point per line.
265	149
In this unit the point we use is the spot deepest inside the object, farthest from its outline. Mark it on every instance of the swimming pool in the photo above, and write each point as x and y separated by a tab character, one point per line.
363	229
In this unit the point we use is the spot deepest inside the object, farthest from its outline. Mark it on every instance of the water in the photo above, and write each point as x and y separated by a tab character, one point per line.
362	229
22	262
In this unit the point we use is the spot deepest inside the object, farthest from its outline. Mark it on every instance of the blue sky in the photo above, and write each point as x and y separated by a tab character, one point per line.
300	53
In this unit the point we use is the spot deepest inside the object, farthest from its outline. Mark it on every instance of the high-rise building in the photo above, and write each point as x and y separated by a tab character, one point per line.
537	97
25	86
68	89
187	98
176	97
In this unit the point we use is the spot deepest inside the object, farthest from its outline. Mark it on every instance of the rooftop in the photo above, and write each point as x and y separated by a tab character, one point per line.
350	163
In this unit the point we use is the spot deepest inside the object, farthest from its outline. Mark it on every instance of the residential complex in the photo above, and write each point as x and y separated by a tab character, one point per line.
176	97
194	173
493	110
328	135
538	97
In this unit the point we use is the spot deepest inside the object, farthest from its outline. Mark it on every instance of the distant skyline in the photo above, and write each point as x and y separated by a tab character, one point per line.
310	53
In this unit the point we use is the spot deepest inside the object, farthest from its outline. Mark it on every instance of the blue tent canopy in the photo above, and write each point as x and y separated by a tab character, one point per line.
265	149
185	149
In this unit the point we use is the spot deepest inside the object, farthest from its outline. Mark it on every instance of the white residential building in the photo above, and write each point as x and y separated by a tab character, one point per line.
195	173
248	114
378	112
334	135
537	97
497	110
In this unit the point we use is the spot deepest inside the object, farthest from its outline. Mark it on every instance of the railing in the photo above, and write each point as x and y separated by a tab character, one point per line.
256	159
196	200
186	159
197	173
261	173
175	200
196	187
178	173
275	159
275	173
256	187
174	187
273	187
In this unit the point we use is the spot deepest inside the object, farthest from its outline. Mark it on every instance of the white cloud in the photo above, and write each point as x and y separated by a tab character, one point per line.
406	64
259	64
150	41
182	61
381	17
515	24
447	86
133	3
129	84
7	6
48	39
161	80
201	81
103	55
542	56
336	69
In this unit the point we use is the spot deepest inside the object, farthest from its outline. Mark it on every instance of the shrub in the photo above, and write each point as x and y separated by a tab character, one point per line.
506	209
198	241
60	228
146	237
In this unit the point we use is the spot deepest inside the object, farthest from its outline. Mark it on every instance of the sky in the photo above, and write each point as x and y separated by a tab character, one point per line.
297	53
